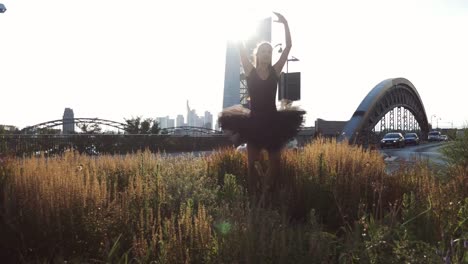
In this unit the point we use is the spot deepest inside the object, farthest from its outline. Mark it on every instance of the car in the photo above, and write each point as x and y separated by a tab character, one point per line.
393	139
292	144
433	136
411	139
242	147
443	138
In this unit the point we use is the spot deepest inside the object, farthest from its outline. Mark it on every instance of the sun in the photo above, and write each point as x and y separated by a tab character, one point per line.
242	27
237	31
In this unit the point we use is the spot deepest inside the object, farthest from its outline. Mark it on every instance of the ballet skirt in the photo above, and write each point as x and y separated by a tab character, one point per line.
263	125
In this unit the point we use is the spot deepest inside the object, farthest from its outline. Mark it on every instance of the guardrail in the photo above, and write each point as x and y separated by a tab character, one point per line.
15	144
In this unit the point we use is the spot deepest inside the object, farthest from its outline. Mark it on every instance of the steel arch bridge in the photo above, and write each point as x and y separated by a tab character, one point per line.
59	122
387	97
183	130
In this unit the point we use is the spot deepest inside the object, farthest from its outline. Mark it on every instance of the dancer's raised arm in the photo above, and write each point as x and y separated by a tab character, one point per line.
284	56
244	56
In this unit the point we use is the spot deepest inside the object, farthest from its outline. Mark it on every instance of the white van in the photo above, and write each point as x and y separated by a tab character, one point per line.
434	136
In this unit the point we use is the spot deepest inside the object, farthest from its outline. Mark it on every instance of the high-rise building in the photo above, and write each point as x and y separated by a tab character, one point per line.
208	122
231	76
199	121
68	121
192	118
235	86
180	121
162	122
170	122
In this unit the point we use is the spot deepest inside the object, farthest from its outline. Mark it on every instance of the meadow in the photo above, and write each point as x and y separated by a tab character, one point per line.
341	207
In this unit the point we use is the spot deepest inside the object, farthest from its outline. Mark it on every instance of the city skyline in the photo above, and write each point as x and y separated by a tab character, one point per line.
117	68
68	112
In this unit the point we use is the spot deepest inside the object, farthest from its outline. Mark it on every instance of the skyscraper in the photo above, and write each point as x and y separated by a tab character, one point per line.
235	86
162	122
180	121
231	76
191	116
170	122
208	120
68	121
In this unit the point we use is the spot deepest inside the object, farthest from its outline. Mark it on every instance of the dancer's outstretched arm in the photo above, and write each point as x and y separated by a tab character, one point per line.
284	56
244	56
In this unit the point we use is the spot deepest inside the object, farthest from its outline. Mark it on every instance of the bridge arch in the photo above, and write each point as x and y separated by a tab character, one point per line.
183	130
384	97
59	122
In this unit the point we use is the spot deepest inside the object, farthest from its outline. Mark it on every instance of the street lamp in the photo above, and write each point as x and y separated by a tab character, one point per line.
2	8
291	59
295	85
295	78
439	118
431	120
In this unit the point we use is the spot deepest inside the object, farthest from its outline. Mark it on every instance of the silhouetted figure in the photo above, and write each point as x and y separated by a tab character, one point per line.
263	126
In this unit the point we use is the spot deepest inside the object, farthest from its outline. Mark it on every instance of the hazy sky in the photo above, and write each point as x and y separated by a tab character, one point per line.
117	59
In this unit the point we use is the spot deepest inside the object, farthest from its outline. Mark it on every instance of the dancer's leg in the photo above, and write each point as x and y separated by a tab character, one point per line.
276	180
253	154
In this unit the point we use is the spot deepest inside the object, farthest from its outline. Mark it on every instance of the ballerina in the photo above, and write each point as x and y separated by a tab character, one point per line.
263	126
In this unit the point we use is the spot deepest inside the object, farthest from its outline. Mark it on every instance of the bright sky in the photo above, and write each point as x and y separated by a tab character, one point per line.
117	59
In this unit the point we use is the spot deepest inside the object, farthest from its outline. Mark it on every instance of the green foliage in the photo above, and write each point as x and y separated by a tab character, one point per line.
456	152
89	129
231	191
136	125
8	130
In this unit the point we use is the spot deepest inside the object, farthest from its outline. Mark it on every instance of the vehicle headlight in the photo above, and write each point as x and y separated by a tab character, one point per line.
394	141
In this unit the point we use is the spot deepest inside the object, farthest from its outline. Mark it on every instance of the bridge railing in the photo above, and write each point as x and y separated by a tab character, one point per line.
15	144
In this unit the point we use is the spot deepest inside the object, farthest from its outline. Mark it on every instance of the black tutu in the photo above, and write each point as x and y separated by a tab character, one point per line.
269	131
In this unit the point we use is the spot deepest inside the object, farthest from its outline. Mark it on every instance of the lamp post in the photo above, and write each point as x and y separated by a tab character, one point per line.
286	83
431	120
2	8
289	59
287	62
286	76
437	119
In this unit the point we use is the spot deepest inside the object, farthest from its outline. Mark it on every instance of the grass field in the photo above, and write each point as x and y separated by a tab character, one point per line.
342	207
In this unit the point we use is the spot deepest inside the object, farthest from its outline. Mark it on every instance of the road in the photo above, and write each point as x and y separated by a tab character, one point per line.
393	156
424	152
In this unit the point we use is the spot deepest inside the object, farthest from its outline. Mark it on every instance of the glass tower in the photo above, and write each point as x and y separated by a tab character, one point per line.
235	85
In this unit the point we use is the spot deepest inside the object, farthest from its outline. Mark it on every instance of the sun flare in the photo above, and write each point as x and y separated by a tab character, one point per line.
242	28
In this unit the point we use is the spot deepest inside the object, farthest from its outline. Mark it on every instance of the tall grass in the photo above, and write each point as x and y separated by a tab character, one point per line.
341	207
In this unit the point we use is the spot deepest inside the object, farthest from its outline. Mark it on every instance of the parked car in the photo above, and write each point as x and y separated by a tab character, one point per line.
393	139
443	138
292	144
411	139
242	147
433	136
